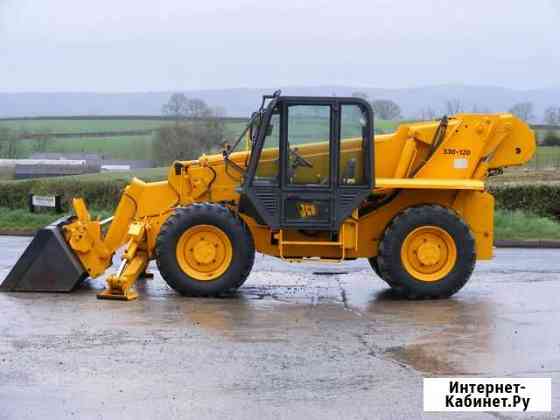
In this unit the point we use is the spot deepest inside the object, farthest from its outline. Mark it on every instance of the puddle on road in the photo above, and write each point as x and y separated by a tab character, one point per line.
487	329
442	337
497	325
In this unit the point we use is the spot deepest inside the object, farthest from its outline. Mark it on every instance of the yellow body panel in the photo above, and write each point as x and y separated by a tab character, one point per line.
477	210
428	184
406	166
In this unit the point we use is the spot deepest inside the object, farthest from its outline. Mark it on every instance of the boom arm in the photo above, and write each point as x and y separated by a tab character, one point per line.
143	206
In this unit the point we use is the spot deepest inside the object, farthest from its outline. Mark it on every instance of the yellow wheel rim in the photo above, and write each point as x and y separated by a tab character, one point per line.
204	252
428	253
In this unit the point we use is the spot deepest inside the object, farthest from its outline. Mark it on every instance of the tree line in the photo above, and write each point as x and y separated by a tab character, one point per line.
388	109
199	128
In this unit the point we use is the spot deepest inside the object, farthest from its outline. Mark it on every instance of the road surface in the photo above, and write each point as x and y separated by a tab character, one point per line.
297	341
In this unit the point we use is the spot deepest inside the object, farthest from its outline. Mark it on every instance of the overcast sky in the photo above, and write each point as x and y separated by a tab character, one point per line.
138	45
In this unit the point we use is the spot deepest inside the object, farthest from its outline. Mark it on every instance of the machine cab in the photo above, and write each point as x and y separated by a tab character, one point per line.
311	162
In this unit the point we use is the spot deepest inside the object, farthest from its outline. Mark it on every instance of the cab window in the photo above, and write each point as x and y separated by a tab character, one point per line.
268	165
309	133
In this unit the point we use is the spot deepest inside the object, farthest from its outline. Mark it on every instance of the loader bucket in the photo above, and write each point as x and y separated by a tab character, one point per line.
47	265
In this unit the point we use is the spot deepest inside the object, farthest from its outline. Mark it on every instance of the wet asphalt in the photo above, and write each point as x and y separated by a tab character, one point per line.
297	341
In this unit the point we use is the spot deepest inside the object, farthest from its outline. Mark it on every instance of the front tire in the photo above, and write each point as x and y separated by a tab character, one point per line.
375	266
427	252
204	250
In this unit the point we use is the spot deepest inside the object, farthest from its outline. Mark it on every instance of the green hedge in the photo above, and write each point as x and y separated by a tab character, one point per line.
541	199
104	191
101	195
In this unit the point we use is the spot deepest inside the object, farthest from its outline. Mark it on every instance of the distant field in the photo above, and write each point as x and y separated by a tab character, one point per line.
116	147
107	124
73	125
139	147
37	126
136	147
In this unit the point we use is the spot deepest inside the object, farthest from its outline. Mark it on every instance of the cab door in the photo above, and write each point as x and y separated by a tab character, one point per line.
312	163
308	164
327	165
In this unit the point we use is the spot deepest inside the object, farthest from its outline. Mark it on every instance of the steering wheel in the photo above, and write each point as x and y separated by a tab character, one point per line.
298	160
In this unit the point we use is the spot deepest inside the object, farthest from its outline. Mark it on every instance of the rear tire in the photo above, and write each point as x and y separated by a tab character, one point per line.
204	250
427	252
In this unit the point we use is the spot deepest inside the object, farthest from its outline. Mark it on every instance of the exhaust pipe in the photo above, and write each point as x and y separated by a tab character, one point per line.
47	265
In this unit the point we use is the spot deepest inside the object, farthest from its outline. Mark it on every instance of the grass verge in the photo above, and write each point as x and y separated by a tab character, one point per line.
508	225
24	221
520	225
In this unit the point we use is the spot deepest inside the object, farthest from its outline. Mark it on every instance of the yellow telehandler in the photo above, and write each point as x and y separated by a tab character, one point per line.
306	179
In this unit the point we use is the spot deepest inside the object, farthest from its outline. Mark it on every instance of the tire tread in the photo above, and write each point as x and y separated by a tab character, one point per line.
171	230
387	260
